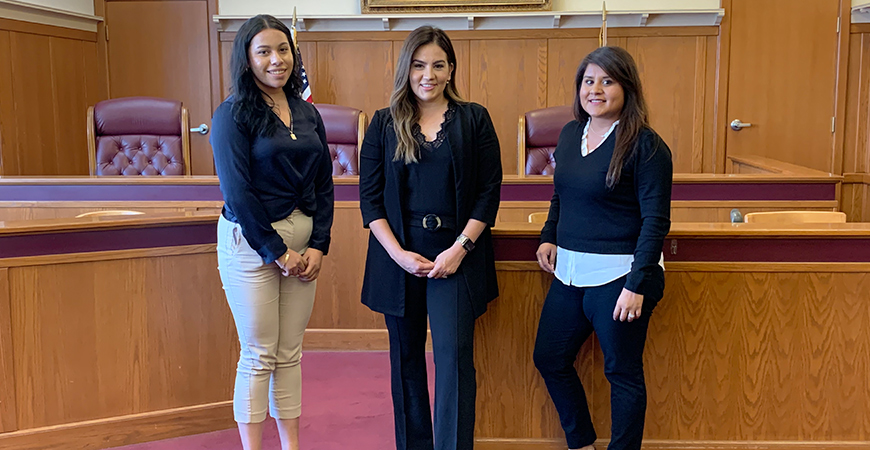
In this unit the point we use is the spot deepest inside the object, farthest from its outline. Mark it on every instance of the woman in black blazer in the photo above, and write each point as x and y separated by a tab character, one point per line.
430	180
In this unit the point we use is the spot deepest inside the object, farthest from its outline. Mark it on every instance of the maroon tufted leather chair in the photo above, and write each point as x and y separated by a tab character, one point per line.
539	132
138	136
345	128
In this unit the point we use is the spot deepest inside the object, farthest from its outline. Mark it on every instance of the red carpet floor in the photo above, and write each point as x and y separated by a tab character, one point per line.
345	404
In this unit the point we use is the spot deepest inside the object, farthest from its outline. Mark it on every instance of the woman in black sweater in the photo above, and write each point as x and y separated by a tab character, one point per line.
603	240
275	175
430	179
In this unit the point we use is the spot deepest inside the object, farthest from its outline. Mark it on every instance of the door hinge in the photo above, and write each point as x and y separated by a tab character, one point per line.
106	31
833	123
838	25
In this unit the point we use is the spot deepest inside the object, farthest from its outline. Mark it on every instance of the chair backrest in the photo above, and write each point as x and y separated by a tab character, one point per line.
345	128
538	134
138	136
795	217
538	217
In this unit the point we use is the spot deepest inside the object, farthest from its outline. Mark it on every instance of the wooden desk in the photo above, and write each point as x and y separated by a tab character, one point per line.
112	331
696	197
132	341
761	341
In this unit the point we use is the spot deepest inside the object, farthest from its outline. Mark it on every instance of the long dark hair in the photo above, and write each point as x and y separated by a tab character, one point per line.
620	66
403	102
250	110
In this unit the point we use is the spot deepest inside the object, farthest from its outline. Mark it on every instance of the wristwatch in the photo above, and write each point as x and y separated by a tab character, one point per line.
465	242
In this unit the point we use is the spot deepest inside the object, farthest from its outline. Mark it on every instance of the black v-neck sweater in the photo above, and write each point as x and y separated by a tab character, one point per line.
632	218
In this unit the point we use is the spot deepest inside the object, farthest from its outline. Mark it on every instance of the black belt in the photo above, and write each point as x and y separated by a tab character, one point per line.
431	222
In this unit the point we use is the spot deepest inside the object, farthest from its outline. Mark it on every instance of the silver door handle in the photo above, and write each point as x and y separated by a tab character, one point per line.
203	129
737	125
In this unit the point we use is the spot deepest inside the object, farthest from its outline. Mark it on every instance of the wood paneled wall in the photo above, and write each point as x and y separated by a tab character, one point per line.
48	78
512	72
140	342
738	352
856	147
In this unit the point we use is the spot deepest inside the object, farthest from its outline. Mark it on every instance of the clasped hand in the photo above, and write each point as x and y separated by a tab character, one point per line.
305	266
446	263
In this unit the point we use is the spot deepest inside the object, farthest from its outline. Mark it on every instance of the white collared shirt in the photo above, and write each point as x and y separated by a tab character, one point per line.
582	269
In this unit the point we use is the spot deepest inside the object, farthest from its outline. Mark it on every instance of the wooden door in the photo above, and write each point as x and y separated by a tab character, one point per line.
782	78
161	49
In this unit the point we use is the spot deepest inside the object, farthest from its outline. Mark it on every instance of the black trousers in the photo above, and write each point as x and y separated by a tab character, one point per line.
448	305
569	317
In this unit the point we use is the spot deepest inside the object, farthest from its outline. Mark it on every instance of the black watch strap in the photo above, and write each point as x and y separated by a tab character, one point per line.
465	242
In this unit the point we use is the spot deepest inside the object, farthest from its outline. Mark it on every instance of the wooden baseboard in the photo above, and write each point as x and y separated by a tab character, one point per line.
124	430
648	444
328	339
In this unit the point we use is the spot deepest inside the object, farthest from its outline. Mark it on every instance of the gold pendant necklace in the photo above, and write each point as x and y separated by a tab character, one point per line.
292	134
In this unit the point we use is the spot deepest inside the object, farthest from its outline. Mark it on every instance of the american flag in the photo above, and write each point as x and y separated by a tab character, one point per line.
306	88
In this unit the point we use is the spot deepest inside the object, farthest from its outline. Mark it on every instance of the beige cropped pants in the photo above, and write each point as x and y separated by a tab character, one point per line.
271	312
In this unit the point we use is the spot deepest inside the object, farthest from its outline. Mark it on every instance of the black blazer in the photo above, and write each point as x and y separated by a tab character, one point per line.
477	170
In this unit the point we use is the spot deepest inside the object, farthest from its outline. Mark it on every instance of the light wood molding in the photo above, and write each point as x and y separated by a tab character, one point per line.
689	230
125	430
46	15
520	20
114	255
104	223
773	166
767	267
47	30
660	444
856	178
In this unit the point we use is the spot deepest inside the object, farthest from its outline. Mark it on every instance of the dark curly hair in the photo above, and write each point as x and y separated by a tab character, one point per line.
250	110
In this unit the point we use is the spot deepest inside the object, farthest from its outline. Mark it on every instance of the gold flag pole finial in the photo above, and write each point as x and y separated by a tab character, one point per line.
602	36
293	30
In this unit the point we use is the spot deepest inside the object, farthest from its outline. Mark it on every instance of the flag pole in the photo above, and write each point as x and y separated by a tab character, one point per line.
293	31
602	36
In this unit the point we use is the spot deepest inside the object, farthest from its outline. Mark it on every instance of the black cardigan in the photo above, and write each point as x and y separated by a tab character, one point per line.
631	218
478	174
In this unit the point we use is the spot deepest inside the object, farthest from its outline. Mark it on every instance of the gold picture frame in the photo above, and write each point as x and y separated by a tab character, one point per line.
451	6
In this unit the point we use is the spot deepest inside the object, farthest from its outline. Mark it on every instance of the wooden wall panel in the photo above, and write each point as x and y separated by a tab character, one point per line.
179	59
32	90
856	151
121	342
337	304
8	405
563	59
355	74
509	76
512	400
672	70
797	339
72	87
679	69
43	105
855	201
748	356
8	122
856	143
226	50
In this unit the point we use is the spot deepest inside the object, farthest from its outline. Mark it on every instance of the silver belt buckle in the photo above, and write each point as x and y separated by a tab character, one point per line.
437	222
